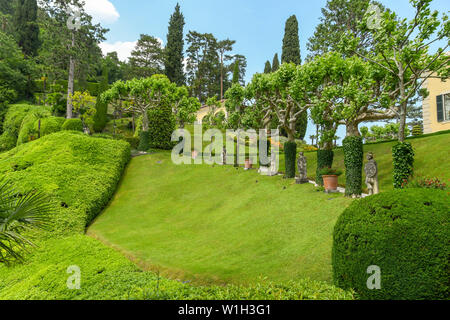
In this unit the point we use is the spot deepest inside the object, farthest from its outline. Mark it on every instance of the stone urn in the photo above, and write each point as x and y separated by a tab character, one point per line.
248	164
330	182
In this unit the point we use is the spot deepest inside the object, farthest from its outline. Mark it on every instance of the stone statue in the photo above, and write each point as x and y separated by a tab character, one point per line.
273	169
302	169
371	170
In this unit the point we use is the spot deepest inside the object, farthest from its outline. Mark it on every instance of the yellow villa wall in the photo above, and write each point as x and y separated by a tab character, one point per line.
436	87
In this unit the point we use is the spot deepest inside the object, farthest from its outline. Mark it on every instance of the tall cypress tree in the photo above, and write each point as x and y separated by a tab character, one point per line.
275	63
236	72
291	42
27	27
267	67
174	49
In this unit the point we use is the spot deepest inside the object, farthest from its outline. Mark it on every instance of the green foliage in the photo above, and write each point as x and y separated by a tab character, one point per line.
108	275
174	49
331	172
267	67
73	125
50	125
417	131
77	172
13	124
275	63
353	159
403	161
406	234
324	160
147	58
144	141
290	152
291	43
29	129
19	214
161	126
426	183
101	114
27	28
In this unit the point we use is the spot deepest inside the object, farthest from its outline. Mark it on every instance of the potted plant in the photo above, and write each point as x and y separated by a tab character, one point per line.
330	178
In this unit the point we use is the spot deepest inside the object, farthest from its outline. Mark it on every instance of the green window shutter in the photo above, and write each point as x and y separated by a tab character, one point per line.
440	108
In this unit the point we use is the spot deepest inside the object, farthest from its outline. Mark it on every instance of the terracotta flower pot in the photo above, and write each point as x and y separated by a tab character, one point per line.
330	182
248	164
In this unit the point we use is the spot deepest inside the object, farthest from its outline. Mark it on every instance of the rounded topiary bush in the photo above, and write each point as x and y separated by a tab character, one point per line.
50	125
73	125
406	234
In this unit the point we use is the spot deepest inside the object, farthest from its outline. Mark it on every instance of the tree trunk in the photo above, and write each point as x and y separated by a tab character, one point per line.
401	130
145	121
352	129
221	78
70	83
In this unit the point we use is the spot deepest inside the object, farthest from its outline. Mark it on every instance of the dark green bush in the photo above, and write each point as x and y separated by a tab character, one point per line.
161	126
73	125
404	232
51	125
353	159
403	161
290	154
324	160
144	141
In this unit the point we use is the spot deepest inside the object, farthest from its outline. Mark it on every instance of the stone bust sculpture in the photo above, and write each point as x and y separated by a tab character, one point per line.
371	170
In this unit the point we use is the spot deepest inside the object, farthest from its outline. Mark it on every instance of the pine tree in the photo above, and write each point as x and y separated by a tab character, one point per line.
101	115
291	42
174	49
275	63
268	67
27	27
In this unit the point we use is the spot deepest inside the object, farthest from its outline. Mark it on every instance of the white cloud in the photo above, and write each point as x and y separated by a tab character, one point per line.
123	49
102	11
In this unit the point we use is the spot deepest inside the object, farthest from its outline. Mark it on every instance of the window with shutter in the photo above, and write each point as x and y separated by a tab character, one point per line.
446	107
440	108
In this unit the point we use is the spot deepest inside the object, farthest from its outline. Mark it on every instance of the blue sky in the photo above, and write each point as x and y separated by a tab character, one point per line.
256	25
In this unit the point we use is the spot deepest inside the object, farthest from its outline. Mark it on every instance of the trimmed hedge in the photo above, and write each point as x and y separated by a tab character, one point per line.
403	161
354	160
50	125
161	126
73	125
108	275
290	153
324	160
404	232
78	172
144	141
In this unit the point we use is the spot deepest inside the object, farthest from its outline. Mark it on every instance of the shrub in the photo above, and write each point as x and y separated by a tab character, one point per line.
13	123
290	152
78	172
144	141
406	234
353	159
324	160
161	126
417	131
426	183
50	125
403	161
107	275
73	125
330	172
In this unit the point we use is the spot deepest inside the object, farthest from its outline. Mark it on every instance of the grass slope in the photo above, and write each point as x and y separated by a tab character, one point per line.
220	224
432	159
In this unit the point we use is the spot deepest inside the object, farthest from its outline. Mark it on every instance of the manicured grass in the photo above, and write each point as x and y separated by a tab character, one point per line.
431	160
219	224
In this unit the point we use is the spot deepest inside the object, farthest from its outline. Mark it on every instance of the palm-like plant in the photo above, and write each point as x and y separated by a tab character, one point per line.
19	214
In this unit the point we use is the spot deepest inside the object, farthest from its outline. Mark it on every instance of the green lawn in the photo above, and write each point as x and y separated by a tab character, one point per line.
432	159
219	224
